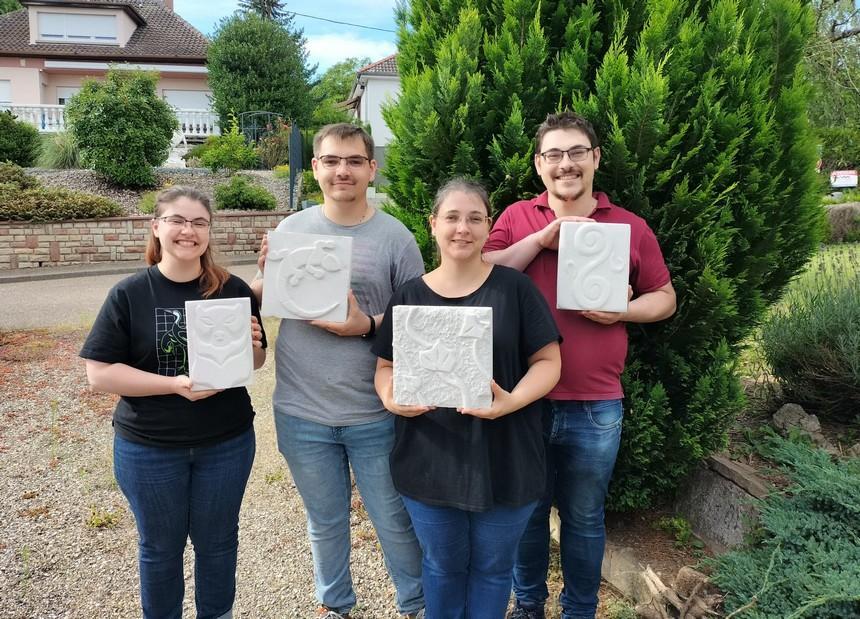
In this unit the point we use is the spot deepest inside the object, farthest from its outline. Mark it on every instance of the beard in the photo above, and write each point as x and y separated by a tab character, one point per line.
567	196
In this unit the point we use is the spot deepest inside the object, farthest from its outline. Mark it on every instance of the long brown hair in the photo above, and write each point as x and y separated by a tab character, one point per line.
213	277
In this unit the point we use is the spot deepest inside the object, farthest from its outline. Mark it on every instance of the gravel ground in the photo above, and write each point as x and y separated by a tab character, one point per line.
200	178
68	545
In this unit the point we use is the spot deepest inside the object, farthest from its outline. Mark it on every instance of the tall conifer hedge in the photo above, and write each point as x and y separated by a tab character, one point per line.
700	109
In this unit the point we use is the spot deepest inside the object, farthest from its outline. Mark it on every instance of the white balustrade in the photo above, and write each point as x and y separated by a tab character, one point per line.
51	118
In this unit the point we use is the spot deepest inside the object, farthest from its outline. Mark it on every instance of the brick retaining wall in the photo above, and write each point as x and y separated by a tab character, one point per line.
115	239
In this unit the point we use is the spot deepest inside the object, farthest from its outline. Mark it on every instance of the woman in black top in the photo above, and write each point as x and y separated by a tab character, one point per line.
181	457
470	478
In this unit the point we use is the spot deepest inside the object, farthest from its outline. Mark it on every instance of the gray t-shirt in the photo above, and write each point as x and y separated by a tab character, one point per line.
324	377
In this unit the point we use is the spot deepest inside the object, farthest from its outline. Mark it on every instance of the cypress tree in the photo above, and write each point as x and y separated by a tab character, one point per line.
700	108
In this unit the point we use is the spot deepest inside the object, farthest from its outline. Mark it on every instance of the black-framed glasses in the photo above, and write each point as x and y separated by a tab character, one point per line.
332	161
178	221
577	153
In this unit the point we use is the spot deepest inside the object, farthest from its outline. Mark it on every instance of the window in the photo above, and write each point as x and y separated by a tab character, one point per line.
5	92
65	93
77	28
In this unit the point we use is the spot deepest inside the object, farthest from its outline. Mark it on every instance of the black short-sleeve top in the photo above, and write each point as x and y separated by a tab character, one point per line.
445	458
142	324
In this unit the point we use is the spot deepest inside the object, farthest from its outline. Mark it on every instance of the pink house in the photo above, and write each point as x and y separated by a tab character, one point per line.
50	46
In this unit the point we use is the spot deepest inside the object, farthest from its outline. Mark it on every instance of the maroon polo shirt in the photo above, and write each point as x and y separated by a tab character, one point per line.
592	355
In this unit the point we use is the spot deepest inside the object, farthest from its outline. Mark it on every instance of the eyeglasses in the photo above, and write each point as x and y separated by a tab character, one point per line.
178	221
555	155
472	220
332	161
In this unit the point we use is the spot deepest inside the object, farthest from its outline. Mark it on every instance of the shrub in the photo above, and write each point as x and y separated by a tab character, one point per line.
274	147
59	151
122	127
844	223
12	174
147	202
242	194
812	340
281	172
310	186
194	154
805	560
229	150
701	113
840	147
19	141
42	204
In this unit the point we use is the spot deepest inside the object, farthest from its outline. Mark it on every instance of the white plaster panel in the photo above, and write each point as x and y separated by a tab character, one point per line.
307	276
593	266
443	356
220	351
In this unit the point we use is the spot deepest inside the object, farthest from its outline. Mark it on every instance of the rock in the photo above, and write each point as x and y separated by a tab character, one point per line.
854	451
792	416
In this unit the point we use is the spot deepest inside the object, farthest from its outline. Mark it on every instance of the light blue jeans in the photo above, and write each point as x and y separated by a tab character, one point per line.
319	458
582	441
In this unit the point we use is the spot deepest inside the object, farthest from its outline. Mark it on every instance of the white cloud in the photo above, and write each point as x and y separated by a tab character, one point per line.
327	49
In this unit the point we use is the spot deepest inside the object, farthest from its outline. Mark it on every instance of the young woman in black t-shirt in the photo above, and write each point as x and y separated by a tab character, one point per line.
181	457
470	478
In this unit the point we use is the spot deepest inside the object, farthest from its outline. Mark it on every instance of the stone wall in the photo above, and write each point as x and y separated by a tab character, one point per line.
115	239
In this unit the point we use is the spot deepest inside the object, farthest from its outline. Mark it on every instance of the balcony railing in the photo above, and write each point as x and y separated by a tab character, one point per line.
194	124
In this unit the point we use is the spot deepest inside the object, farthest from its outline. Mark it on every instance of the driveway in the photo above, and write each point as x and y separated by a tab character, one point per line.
73	301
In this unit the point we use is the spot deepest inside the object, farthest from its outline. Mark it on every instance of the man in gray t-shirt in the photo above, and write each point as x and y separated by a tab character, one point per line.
328	417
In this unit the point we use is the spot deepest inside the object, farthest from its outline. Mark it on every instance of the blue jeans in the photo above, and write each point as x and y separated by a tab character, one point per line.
468	557
319	458
581	440
177	492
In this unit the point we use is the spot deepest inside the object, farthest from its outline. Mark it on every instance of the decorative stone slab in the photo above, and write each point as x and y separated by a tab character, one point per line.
220	352
593	266
443	356
307	276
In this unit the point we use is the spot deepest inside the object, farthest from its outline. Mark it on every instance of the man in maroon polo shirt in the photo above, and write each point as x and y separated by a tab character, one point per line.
583	413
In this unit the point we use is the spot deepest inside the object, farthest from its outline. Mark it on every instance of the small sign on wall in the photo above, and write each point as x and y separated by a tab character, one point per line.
841	179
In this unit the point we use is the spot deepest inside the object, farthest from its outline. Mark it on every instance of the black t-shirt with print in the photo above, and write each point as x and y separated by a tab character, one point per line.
142	324
448	459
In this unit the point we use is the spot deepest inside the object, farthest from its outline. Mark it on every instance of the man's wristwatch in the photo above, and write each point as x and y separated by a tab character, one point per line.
372	330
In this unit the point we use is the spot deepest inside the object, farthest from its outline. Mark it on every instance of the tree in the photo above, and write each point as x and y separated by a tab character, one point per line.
122	127
259	64
701	111
332	89
7	6
267	9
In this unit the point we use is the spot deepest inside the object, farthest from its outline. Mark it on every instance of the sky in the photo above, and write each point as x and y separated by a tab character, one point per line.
327	43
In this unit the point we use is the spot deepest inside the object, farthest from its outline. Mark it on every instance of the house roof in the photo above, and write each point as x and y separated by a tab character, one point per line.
386	66
161	35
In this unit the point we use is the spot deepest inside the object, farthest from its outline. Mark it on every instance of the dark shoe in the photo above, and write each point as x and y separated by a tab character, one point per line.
525	613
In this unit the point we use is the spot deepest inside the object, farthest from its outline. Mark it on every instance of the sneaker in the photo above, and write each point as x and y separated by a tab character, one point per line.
525	613
324	612
418	615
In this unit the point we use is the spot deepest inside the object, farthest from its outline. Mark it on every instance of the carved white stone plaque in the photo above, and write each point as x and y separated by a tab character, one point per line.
593	266
220	352
443	356
307	276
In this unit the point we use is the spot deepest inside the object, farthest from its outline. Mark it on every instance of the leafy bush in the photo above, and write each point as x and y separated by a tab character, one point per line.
274	147
122	127
42	204
229	150
812	340
701	113
281	172
19	140
805	560
147	202
310	185
59	151
840	147
242	194
844	223
12	174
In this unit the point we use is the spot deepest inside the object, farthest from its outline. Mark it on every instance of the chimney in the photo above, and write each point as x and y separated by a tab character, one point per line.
168	4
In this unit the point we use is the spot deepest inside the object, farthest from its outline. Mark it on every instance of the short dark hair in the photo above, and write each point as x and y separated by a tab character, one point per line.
343	131
467	186
565	120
